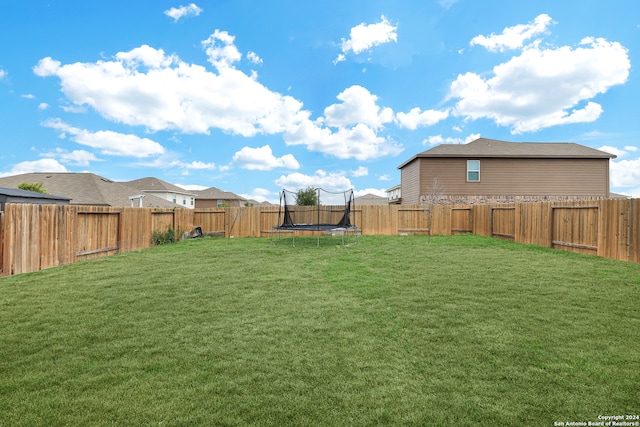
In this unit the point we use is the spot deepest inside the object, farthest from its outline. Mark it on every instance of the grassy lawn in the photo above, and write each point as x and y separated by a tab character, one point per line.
465	331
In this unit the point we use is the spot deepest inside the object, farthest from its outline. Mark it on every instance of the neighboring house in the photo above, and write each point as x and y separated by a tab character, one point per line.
87	189
487	169
165	191
13	195
394	195
215	198
370	199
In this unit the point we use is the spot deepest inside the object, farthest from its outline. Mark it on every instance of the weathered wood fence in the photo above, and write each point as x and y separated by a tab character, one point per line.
34	237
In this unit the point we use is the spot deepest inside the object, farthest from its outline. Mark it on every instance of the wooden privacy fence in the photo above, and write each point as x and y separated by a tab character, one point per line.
34	237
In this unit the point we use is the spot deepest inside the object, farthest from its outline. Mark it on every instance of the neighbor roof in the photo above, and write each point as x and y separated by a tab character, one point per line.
16	192
216	194
484	147
152	185
85	189
371	199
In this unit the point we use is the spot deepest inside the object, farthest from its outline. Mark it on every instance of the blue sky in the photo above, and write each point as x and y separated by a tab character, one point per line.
253	96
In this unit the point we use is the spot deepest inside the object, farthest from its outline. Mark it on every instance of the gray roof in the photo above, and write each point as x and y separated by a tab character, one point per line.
484	147
151	185
85	189
16	192
371	199
216	194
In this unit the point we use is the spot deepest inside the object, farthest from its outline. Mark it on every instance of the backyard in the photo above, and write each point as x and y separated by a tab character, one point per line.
465	330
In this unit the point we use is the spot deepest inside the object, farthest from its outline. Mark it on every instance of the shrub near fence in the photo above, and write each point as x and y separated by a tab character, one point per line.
34	237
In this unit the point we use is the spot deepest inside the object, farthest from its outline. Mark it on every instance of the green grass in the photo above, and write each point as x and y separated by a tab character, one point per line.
391	331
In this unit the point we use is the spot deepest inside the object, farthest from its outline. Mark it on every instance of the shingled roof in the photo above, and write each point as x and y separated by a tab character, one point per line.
484	147
85	189
217	194
152	185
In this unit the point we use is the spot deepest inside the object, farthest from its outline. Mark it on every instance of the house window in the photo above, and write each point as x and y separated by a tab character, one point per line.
174	197
473	170
192	201
221	203
184	199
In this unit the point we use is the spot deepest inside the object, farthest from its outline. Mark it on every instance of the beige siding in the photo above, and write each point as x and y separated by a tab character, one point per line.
517	177
410	182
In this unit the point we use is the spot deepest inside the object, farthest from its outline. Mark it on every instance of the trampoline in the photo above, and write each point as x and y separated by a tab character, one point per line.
333	214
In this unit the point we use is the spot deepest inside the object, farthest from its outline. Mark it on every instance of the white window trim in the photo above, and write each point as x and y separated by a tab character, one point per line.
473	170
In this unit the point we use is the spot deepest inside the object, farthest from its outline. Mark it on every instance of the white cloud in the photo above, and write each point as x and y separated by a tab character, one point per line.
75	157
625	174
47	67
196	165
542	87
263	195
384	177
191	187
28	96
146	87
262	158
42	165
358	106
254	58
438	139
321	179
108	142
619	152
365	36
359	142
361	171
3	73
147	56
43	106
220	49
416	118
514	37
183	11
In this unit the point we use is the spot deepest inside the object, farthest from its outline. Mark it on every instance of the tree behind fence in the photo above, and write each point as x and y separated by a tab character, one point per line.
34	237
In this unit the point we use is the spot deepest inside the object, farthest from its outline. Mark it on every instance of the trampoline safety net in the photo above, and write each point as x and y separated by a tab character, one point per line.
332	212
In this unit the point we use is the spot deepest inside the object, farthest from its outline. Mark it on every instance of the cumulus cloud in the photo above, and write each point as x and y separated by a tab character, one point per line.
183	11
365	36
75	157
417	118
263	195
625	175
262	158
361	171
108	142
514	37
3	73
358	106
42	165
335	181
220	49
543	87
619	152
148	87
